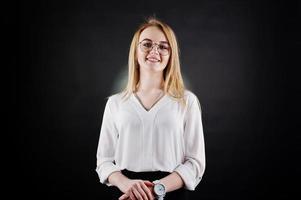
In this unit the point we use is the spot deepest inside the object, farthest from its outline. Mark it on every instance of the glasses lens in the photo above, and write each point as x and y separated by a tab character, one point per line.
163	49
146	46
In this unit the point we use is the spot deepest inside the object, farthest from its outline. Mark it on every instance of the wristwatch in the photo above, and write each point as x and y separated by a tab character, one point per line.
159	189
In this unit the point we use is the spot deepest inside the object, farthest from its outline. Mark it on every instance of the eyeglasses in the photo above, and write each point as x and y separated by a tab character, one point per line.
147	45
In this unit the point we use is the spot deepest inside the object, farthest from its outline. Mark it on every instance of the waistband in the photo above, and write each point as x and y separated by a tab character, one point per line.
149	175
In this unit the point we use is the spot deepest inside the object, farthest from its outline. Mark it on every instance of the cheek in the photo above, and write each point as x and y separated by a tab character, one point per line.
140	57
165	60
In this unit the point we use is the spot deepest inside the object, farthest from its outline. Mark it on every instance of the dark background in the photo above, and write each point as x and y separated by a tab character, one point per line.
240	58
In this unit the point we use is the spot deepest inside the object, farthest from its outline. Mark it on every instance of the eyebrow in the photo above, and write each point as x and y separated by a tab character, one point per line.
152	41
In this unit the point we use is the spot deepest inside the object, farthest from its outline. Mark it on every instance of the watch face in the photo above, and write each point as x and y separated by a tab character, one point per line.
159	189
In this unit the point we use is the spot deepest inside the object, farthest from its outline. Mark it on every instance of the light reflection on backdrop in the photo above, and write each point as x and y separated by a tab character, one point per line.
121	80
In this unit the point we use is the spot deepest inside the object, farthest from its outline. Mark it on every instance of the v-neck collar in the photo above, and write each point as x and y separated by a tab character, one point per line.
154	107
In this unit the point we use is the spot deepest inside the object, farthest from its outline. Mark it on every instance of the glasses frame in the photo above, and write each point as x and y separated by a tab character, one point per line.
153	44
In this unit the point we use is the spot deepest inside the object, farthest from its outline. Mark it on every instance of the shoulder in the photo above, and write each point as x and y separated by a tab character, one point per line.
190	97
192	101
114	100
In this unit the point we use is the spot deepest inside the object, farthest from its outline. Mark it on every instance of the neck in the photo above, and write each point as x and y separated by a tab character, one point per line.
150	82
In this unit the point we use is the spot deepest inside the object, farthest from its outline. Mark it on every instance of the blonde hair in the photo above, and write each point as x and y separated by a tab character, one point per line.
173	82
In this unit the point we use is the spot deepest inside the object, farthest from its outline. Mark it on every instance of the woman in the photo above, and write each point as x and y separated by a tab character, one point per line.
151	141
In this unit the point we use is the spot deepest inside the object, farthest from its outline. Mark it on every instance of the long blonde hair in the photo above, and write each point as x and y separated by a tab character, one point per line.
173	82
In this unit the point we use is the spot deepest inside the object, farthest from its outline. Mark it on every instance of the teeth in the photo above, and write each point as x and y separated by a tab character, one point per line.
153	59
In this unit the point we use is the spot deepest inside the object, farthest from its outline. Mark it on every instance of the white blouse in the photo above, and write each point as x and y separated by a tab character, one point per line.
166	138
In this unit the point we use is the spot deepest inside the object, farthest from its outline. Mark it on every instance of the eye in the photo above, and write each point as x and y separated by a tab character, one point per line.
163	47
147	44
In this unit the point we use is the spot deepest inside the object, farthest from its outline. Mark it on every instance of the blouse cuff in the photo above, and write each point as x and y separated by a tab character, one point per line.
104	172
187	177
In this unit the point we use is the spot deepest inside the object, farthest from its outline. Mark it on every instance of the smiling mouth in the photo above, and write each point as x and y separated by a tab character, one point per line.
152	60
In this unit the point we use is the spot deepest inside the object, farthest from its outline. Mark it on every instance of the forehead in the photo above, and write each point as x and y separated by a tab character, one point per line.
153	33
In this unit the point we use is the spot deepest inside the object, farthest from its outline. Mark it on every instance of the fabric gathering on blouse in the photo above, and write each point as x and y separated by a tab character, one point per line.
168	138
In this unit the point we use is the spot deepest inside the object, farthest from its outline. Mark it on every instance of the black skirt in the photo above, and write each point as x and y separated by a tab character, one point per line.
180	194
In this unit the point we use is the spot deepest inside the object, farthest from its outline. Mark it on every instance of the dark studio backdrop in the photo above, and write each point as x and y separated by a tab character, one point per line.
238	57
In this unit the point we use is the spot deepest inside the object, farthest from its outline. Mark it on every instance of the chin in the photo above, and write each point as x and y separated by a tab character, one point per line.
154	68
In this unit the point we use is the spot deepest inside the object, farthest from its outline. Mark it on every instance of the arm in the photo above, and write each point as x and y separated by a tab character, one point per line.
193	167
106	146
119	180
172	182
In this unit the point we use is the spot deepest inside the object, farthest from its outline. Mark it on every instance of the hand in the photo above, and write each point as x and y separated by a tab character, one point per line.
137	190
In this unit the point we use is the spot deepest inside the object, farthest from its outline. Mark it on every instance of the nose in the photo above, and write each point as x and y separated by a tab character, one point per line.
154	49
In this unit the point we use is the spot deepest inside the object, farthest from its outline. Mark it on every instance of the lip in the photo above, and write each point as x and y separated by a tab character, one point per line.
153	59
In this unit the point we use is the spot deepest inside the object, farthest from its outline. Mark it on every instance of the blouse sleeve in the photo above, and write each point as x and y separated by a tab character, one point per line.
192	170
106	146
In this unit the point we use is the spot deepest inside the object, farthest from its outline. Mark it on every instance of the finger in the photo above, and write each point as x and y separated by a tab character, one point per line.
124	196
137	194
147	191
148	183
132	195
140	188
